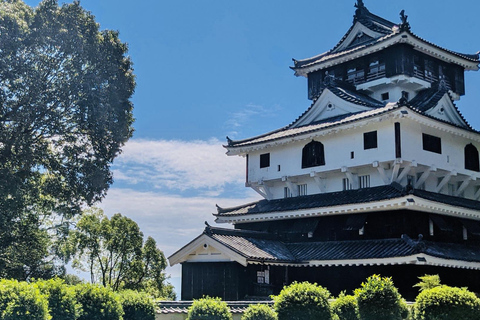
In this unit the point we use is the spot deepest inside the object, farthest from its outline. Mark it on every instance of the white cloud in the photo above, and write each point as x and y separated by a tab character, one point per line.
178	165
171	220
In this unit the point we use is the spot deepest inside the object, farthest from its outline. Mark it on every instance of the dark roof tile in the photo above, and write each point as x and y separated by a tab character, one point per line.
316	201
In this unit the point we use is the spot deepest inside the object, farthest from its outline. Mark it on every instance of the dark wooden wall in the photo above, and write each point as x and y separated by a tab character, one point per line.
226	280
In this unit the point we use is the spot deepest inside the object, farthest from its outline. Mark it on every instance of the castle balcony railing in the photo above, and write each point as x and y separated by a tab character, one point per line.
376	72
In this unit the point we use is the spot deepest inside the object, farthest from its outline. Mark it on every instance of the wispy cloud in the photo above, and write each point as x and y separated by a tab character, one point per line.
173	165
250	114
170	188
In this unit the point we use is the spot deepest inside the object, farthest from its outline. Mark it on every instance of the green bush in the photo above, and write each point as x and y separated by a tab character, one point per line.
345	307
98	303
209	309
137	305
259	312
62	301
378	299
301	301
444	302
21	301
428	281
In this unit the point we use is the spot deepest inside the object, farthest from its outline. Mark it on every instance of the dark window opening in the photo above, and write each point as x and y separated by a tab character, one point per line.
352	155
405	95
370	140
398	144
265	160
471	158
385	96
432	143
313	155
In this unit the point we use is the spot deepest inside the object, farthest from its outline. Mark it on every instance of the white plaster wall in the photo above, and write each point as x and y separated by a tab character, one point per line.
338	148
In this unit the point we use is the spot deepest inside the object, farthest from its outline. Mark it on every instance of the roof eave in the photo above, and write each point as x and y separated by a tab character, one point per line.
387	41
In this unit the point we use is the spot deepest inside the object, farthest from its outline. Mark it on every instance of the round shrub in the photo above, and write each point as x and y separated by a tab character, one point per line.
137	305
345	307
444	302
301	301
98	303
21	301
209	309
62	301
259	312
379	299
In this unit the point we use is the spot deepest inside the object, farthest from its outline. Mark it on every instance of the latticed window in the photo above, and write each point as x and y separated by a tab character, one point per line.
302	189
471	158
364	181
313	155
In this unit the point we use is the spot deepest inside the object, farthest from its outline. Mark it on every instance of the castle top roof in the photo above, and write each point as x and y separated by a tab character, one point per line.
370	31
421	104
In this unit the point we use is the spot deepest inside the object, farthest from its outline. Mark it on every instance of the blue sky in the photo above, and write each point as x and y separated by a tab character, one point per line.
212	68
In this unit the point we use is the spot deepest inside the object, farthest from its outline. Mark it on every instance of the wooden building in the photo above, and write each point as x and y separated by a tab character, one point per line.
380	174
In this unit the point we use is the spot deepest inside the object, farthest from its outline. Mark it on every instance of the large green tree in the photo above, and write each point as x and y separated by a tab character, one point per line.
65	113
113	252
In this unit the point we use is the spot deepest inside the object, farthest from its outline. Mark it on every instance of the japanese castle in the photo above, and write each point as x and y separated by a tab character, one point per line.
380	175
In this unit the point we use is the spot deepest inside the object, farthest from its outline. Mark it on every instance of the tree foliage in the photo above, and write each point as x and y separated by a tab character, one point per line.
65	113
428	282
113	252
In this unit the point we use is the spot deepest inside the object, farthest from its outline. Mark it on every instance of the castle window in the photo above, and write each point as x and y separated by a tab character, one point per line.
432	143
265	160
346	184
471	158
287	193
302	189
385	96
313	155
364	181
370	140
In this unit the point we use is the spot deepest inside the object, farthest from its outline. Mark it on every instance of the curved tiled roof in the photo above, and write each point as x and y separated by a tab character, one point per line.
253	247
315	201
322	200
378	25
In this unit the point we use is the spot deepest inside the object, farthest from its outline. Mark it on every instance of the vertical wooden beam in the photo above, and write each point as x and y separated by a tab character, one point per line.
398	141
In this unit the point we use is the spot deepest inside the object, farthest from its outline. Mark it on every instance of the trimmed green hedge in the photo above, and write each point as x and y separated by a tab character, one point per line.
137	305
379	299
446	303
301	301
209	309
22	301
62	301
345	307
259	312
98	303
